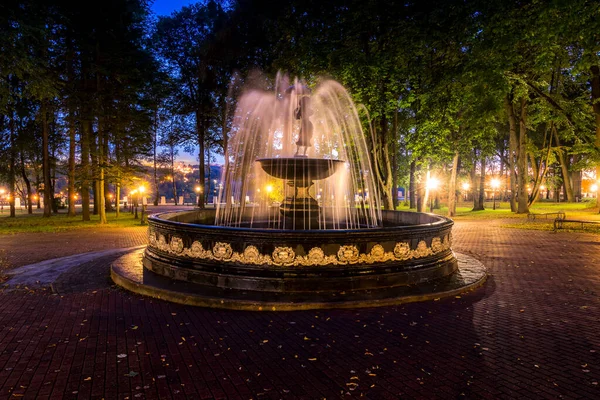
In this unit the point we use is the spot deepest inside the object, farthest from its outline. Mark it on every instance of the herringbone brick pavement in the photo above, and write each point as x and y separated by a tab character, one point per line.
531	332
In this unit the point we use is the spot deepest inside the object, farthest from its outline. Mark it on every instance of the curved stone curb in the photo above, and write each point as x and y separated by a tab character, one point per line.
46	272
128	272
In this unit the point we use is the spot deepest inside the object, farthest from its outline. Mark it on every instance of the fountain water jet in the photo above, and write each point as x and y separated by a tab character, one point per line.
327	244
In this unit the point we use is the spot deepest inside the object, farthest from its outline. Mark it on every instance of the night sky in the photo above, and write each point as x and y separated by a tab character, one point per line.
166	7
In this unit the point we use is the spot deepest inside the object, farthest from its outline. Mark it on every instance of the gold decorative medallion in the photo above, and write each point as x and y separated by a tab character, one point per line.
222	251
436	245
348	254
378	253
196	250
422	250
162	243
402	251
151	237
283	255
176	244
315	256
251	255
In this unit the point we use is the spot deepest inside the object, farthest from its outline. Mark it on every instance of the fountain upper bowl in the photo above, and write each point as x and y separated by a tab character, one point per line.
300	169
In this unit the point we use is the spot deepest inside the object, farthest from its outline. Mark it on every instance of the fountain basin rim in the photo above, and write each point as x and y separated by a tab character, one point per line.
442	222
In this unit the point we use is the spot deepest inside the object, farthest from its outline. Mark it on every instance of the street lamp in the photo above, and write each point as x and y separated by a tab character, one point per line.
198	190
495	185
143	219
466	186
432	184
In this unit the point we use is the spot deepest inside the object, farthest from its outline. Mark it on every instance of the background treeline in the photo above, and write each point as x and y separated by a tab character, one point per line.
453	89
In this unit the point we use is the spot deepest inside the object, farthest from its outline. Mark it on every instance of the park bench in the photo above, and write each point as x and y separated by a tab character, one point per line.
558	222
559	215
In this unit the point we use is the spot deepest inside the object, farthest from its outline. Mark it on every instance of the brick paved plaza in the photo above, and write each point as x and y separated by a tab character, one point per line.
532	331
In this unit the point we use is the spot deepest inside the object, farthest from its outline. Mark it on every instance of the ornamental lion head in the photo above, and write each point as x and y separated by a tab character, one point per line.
176	244
283	255
348	253
378	253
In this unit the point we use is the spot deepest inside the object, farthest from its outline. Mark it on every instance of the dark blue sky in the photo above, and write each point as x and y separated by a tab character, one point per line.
166	7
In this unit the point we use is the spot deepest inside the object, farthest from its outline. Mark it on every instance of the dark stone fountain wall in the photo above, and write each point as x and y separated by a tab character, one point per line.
410	248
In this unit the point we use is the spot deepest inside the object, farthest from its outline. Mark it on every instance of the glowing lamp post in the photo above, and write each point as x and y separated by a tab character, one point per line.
465	187
594	189
495	185
432	185
198	190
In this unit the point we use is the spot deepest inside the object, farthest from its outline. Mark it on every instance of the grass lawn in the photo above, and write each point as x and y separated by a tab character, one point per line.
586	211
61	222
581	211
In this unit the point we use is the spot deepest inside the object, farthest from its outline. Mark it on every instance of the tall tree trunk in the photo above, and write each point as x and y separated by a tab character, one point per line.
576	179
71	104
12	165
29	200
201	139
477	204
172	149
99	196
395	161
564	167
482	184
86	126
522	175
46	161
595	83
71	167
411	186
94	167
154	155
512	150
452	186
427	193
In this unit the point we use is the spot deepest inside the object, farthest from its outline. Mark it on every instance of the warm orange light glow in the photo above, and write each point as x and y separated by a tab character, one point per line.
432	183
495	183
269	188
466	186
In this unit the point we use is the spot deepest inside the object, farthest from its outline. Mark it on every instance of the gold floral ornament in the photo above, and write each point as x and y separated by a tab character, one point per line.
222	251
436	245
152	237
176	244
422	250
402	251
196	250
162	243
251	255
378	253
283	255
348	254
448	241
316	256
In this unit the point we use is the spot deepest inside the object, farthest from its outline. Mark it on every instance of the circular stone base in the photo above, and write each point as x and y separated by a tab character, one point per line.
128	272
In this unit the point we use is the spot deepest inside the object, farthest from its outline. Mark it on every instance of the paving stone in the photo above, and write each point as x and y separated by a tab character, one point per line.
530	332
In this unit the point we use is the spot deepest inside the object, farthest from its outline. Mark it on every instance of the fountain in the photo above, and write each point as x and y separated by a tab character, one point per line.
298	223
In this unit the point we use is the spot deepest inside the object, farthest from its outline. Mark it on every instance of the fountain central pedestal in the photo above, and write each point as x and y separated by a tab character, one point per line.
300	174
